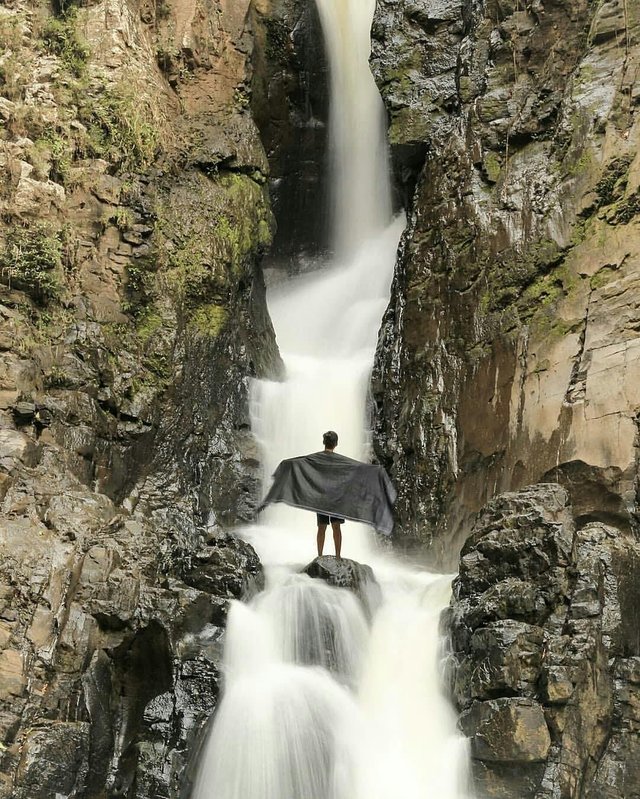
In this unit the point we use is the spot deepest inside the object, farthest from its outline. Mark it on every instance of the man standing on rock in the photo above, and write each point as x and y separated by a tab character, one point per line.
330	441
335	488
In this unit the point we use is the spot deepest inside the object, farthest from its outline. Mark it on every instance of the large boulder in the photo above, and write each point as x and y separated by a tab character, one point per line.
345	573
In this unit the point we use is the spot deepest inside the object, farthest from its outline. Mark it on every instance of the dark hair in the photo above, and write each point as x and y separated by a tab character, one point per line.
330	439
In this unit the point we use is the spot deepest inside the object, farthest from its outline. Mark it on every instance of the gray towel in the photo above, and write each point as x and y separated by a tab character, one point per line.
333	484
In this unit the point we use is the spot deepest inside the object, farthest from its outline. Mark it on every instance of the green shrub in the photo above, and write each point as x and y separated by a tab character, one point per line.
60	37
118	126
31	260
51	156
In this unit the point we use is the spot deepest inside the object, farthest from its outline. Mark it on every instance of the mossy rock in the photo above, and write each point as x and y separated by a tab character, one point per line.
120	128
492	166
209	319
208	233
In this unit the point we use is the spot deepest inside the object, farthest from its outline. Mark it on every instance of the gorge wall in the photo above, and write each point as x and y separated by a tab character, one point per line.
545	663
509	357
134	212
509	353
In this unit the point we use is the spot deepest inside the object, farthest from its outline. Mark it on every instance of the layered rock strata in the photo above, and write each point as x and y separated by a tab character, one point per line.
545	664
509	351
134	213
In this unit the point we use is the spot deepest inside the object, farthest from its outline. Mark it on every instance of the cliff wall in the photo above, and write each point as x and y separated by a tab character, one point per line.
509	351
134	212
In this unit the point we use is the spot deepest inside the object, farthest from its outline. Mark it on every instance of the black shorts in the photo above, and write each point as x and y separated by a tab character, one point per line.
322	519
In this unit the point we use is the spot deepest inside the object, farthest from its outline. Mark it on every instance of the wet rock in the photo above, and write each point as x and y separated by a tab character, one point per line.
507	659
228	568
545	678
133	318
54	755
507	730
349	574
290	103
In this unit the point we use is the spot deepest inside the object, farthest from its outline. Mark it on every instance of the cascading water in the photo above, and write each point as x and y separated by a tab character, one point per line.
319	703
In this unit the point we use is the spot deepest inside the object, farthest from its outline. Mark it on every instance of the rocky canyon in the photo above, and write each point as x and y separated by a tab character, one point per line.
158	158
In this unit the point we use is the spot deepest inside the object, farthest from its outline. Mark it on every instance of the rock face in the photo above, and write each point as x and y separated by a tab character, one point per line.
134	214
546	651
290	104
508	353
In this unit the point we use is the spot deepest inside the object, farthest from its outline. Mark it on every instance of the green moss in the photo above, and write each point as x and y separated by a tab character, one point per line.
206	233
31	260
60	37
492	166
552	327
521	277
540	294
149	322
209	319
407	65
139	288
264	234
582	166
52	156
187	273
159	364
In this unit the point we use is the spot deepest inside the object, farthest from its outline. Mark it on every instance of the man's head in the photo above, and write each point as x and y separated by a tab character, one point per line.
330	439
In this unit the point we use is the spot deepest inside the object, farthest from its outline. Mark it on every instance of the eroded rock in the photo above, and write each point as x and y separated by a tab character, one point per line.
507	731
135	212
545	677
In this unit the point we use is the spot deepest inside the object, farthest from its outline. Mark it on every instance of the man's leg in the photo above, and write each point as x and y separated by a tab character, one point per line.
321	531
337	537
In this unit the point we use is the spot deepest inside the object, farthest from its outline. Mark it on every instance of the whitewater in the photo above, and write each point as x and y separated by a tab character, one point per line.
321	701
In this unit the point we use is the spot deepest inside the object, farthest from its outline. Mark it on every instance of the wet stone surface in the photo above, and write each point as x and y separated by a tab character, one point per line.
349	574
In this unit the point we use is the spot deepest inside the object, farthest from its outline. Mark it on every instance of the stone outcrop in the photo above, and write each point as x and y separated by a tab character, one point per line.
134	214
349	574
545	659
508	353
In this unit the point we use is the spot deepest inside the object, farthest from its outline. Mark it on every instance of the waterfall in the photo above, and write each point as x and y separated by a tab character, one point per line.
360	174
319	701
